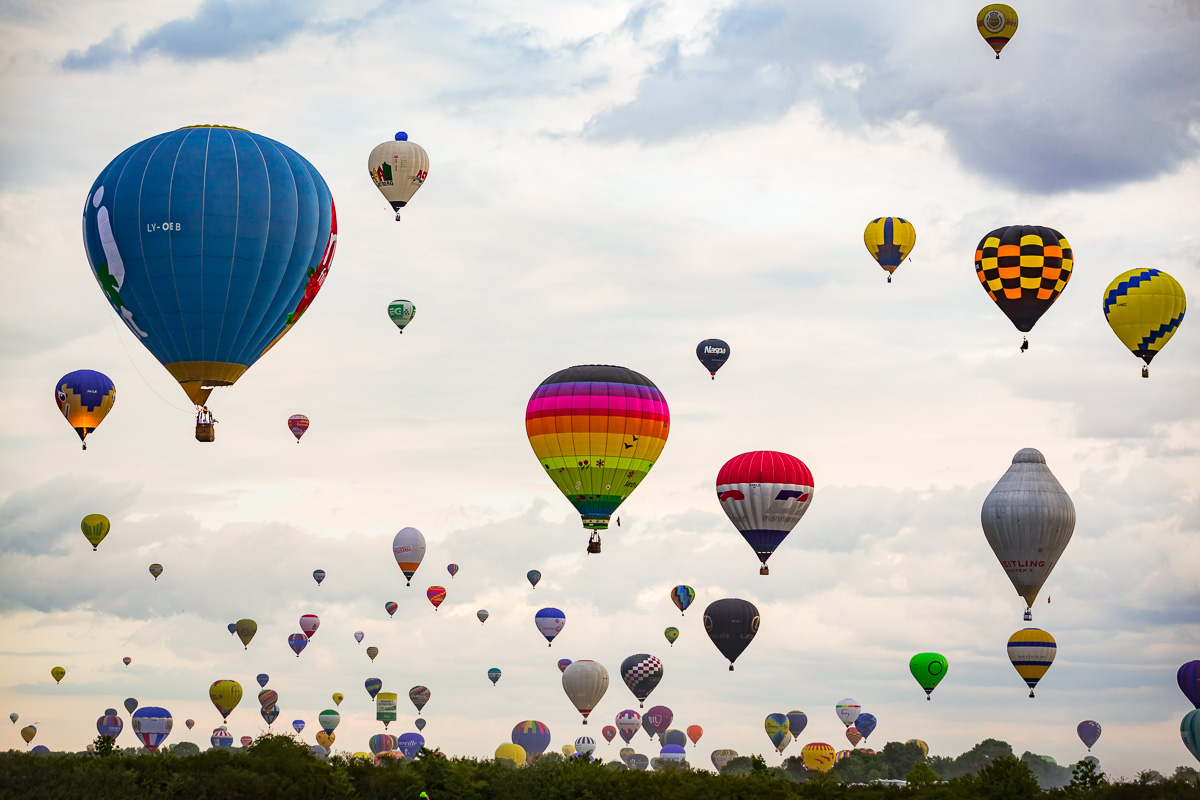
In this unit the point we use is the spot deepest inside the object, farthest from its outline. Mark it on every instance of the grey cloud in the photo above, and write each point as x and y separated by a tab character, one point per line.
108	51
1076	112
45	520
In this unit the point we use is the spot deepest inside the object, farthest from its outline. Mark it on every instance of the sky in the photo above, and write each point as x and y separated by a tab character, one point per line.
612	182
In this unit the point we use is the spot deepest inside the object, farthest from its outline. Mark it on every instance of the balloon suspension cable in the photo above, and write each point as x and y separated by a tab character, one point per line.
117	333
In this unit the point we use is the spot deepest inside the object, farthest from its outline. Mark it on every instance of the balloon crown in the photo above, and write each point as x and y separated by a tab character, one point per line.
230	127
401	136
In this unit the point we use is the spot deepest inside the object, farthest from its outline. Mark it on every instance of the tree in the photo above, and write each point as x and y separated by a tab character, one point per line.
900	758
920	776
1087	780
972	761
1008	778
1187	775
186	749
104	746
741	765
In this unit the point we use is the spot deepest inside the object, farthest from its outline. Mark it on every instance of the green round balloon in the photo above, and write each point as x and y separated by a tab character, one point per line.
401	312
928	669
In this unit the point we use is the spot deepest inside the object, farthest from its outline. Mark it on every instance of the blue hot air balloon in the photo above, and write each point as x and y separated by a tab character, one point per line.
232	628
110	725
318	576
494	675
298	725
420	723
410	744
712	354
263	678
865	723
210	242
373	686
85	397
533	736
151	725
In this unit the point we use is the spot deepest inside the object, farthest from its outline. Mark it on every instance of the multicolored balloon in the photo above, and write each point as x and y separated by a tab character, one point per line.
190	723
401	312
713	353
550	622
268	698
722	757
641	672
1089	732
297	424
225	696
889	240
609	732
29	731
452	569
130	704
776	726
764	493
928	669
390	607
408	546
853	736
532	736
325	739
221	737
95	527
997	23
381	743
563	663
731	624
373	685
419	696
673	753
919	743
127	661
436	595
245	630
672	634
110	725
309	624
156	570
1144	308
585	682
152	725
329	719
269	714
817	756
682	596
1024	268
398	168
297	641
84	398
159	226
628	722
1031	652
482	614
372	651
359	636
493	675
298	725
597	430
847	711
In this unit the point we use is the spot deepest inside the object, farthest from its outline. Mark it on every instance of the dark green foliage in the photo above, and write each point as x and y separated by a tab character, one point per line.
921	776
972	761
1008	778
1049	776
104	746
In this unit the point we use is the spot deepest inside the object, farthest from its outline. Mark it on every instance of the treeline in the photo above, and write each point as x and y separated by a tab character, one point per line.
280	766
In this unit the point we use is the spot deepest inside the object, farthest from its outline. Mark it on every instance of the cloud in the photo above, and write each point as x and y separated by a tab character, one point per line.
764	60
220	29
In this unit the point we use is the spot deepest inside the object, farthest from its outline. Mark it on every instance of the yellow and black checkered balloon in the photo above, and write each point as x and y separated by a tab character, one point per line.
1144	307
1024	268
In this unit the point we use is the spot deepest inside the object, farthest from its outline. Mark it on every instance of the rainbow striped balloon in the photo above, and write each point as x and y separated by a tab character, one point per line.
1031	652
597	431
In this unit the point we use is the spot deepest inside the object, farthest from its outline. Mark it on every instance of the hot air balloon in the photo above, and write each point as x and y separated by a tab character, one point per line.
847	711
110	725
297	641
817	756
358	636
309	624
151	725
628	722
298	725
420	723
889	240
408	546
84	398
1028	520
337	698
722	757
127	661
928	669
511	752
682	596
585	683
221	738
672	753
585	745
419	696
410	744
325	739
533	576
225	695
399	169
1089	732
390	607
263	678
563	663
797	722
318	576
776	726
1144	307
840	754
1189	730
493	675
210	243
764	494
550	622
659	719
247	741
625	753
130	704
597	431
713	353
156	570
245	630
95	527
28	732
401	312
436	595
609	732
483	615
382	743
787	739
372	651
297	424
58	673
997	23
1024	269
1188	678
452	569
853	736
14	717
638	761
533	736
232	628
329	720
694	732
865	723
672	634
641	672
924	747
1031	652
731	624
647	725
190	723
269	714
387	705
373	685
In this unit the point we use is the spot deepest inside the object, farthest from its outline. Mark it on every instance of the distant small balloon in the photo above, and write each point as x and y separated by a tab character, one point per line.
297	641
390	607
190	723
609	732
309	624
672	634
318	576
436	595
14	717
401	312
1089	732
58	673
420	723
373	686
419	696
483	615
131	704
232	628
452	569
563	663
263	678
337	698
127	661
493	675
298	725
682	596
372	651
358	636
156	570
28	732
533	577
297	424
713	353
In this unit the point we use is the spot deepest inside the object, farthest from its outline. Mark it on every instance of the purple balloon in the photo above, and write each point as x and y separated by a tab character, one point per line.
1089	732
660	718
410	744
1189	682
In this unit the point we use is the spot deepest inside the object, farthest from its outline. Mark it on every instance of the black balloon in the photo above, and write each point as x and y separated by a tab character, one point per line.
638	761
731	624
712	354
271	714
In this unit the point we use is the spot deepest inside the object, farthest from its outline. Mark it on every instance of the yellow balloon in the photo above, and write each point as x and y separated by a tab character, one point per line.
1144	307
245	630
889	240
95	527
568	750
997	23
1031	652
28	732
225	695
511	752
58	673
325	739
338	697
818	756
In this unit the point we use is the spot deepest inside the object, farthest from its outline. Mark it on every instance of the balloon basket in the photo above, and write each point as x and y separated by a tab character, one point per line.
763	570
1029	615
205	432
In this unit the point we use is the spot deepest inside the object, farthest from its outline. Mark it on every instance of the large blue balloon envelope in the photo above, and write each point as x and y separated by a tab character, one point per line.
110	725
533	736
1189	682
865	723
210	242
152	725
410	744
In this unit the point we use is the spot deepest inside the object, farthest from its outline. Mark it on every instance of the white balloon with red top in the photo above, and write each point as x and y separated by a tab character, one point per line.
764	493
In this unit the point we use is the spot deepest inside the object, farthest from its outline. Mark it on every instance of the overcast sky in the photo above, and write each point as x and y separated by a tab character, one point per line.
612	182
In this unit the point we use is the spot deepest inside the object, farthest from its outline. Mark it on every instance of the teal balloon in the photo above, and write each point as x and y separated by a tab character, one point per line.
1189	729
